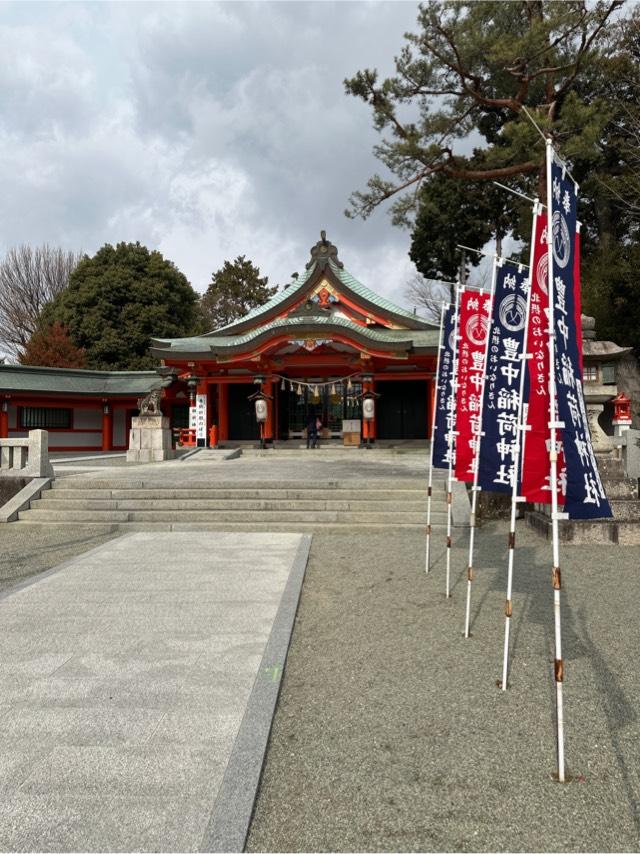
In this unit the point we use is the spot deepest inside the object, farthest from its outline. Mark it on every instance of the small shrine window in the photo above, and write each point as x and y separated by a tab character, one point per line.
44	418
590	373
608	374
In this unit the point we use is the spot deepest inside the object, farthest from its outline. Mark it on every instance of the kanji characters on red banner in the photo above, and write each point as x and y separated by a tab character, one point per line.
473	329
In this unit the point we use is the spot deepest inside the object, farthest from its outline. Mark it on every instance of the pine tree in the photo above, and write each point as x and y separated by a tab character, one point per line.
235	289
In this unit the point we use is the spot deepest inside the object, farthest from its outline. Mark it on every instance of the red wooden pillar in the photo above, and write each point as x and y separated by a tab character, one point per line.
107	427
267	388
4	419
223	412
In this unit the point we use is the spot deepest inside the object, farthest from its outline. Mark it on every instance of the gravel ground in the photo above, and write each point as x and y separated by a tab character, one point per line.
29	549
391	734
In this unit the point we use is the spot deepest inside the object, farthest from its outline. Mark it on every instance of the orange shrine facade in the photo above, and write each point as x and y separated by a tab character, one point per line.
312	350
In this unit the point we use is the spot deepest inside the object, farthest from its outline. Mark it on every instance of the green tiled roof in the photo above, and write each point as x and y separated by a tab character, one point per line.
24	378
358	288
351	284
215	342
275	300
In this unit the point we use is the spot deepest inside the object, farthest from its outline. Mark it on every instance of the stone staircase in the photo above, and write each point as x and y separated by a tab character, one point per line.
132	505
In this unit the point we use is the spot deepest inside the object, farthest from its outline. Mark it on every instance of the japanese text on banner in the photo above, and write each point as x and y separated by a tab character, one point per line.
473	330
501	401
585	497
444	425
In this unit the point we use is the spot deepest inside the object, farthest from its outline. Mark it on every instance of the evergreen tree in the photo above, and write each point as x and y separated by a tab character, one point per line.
235	289
118	300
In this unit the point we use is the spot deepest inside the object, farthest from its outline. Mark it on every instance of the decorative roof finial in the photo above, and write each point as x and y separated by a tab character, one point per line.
323	252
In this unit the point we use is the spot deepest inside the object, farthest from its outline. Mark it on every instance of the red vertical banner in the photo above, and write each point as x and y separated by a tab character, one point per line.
473	330
536	468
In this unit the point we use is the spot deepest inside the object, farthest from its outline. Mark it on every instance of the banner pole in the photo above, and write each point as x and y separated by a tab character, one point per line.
518	454
451	437
433	428
476	454
553	465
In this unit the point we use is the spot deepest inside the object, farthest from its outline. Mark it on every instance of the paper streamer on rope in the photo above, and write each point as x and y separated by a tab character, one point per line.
443	438
473	330
585	497
501	401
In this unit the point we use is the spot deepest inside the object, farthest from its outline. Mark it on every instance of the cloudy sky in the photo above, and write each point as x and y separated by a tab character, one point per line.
206	130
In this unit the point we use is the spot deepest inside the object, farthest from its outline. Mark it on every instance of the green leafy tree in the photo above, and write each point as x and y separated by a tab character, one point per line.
52	347
235	289
118	300
466	79
473	69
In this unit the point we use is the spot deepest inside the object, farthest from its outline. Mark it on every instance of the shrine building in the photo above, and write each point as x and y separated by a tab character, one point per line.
314	348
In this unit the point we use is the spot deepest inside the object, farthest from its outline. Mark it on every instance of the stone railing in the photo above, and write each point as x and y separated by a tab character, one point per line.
26	457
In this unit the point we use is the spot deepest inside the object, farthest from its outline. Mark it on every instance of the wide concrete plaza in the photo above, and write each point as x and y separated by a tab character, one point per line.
389	733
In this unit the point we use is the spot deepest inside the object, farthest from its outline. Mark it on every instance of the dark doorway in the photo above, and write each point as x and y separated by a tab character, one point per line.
242	418
402	409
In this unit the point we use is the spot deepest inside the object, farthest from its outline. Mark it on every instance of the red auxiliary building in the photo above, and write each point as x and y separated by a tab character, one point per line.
316	346
313	349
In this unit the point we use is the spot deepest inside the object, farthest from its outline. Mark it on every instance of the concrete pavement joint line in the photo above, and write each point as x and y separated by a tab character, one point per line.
228	825
29	582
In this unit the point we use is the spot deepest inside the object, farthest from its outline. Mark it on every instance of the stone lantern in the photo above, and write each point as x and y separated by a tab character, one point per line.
599	377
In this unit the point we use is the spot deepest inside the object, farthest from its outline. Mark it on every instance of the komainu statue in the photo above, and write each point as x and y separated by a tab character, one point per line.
150	404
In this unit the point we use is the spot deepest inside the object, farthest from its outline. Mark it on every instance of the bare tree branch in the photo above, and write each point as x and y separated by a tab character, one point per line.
29	279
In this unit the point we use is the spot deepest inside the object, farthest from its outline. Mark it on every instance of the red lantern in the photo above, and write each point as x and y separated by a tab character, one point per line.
622	409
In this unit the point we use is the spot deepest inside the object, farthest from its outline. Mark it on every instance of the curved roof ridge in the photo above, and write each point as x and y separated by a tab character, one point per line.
356	285
275	300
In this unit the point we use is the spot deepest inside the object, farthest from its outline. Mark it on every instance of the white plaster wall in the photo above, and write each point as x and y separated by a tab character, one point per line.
87	419
69	440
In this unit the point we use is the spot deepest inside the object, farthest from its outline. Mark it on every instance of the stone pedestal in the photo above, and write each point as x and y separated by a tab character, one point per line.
150	440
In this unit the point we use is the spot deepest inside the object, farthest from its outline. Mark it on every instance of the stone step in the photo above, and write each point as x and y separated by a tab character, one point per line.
625	509
249	504
107	516
80	482
290	527
622	488
267	494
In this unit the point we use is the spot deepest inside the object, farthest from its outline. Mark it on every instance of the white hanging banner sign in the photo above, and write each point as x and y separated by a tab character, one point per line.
200	414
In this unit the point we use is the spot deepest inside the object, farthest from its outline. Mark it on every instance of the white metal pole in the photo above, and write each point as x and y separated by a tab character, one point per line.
518	452
451	436
553	465
476	453
445	306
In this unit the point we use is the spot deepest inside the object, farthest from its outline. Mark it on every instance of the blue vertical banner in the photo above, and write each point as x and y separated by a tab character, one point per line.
444	424
585	496
501	403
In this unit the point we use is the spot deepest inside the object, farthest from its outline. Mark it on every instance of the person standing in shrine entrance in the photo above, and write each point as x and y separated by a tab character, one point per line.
312	430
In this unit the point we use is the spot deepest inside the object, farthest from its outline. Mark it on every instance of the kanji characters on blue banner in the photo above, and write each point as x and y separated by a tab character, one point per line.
444	425
585	496
502	389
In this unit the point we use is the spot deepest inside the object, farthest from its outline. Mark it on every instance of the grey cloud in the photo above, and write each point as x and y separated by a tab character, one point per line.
208	130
